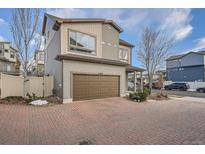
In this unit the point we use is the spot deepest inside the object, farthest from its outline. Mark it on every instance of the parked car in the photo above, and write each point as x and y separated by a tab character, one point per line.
201	90
155	85
177	85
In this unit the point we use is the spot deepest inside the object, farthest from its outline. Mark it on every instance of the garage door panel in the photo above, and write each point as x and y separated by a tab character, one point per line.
94	86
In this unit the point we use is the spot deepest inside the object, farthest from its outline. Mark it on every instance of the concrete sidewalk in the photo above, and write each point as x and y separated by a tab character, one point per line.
190	99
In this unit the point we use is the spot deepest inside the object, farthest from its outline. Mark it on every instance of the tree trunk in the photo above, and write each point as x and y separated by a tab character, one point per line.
150	82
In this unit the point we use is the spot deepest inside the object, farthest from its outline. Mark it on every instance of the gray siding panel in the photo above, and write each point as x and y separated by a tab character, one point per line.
192	60
52	66
191	73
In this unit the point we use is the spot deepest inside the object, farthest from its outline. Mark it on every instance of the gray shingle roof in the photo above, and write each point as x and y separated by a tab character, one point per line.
123	42
80	20
182	55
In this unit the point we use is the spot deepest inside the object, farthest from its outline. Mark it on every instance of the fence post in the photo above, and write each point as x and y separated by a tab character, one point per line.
44	86
0	84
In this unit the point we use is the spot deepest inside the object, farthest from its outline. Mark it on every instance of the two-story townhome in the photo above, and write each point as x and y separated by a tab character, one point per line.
86	58
39	62
8	59
186	67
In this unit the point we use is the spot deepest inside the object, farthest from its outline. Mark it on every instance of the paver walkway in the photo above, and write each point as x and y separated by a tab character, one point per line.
104	121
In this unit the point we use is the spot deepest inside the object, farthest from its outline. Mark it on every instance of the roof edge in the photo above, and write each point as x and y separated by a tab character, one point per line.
79	20
125	43
90	59
183	55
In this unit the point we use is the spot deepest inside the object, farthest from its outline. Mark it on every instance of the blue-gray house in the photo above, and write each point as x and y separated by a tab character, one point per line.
186	67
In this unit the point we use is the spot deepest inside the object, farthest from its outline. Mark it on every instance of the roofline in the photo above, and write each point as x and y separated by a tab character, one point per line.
13	48
5	42
9	44
125	43
90	59
44	24
79	20
131	68
184	55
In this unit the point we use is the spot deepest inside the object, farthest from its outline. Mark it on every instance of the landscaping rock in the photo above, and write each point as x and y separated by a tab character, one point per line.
39	102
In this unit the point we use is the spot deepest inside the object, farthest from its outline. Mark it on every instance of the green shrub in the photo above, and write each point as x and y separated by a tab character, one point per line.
134	96
32	97
147	91
139	96
142	96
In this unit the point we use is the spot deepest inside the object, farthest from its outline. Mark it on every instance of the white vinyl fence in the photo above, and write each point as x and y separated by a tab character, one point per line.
14	85
193	85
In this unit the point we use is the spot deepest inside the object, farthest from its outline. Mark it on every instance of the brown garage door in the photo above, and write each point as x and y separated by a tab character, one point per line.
87	86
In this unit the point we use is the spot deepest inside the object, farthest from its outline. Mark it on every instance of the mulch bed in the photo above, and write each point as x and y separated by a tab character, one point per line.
158	97
23	101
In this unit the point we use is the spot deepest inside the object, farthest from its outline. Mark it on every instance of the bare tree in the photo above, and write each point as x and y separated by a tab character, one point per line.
153	48
24	28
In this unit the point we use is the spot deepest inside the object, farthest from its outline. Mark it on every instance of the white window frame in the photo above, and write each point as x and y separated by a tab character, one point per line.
122	56
41	56
8	67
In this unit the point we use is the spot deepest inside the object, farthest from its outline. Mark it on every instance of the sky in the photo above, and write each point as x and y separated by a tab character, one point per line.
186	26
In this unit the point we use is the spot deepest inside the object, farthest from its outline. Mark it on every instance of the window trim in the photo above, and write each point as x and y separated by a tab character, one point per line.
75	46
41	56
12	54
1	46
122	59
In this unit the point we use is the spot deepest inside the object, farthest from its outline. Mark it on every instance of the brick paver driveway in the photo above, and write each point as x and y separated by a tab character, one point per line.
106	121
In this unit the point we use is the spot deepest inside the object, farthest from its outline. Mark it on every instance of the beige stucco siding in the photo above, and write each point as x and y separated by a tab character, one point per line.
7	51
94	29
5	64
70	67
129	52
52	66
110	44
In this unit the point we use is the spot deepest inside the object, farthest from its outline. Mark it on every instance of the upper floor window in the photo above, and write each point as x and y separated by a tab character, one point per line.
41	57
123	54
1	46
82	42
12	55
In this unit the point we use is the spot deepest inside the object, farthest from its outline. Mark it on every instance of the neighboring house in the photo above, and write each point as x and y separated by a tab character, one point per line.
86	58
39	63
8	59
186	67
160	75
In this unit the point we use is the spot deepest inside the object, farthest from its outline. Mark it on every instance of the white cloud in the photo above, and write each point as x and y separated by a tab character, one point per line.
178	23
200	44
127	18
2	38
67	13
38	42
175	22
2	22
